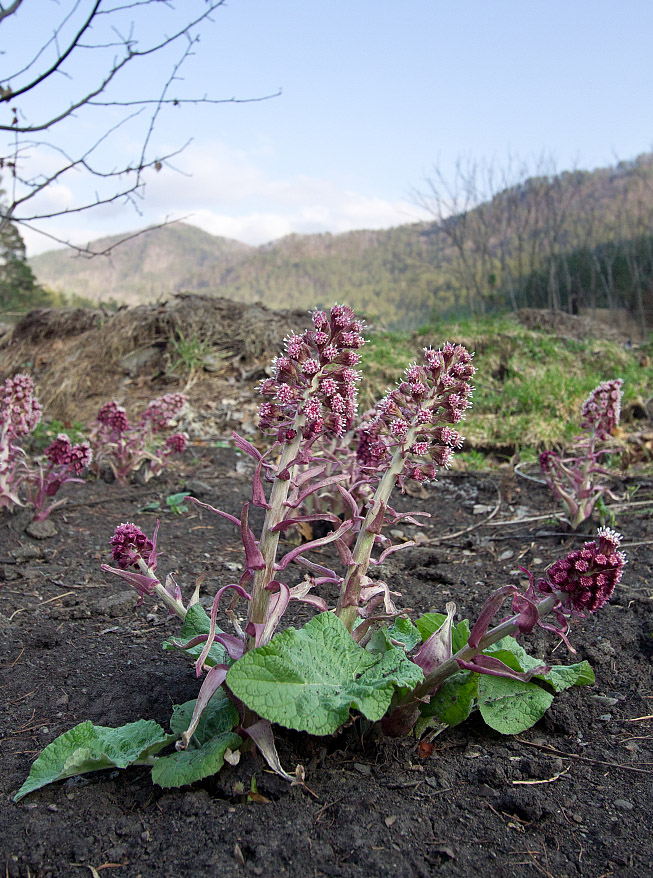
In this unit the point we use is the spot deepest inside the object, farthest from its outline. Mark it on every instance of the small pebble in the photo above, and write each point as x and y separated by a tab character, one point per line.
623	804
604	700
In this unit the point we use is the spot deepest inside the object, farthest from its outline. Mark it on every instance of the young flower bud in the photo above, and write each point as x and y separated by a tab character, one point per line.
129	545
585	580
160	412
177	443
58	451
602	408
107	412
80	457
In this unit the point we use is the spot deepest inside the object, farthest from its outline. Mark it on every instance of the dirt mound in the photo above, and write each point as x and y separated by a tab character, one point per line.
609	325
80	359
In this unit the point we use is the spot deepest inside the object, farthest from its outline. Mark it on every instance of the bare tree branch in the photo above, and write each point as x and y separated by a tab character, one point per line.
101	39
5	13
10	94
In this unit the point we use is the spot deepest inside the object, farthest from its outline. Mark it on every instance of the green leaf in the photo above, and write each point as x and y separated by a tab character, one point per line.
187	766
91	748
152	506
220	715
511	706
402	631
197	622
310	679
563	676
430	622
454	700
176	502
521	660
560	677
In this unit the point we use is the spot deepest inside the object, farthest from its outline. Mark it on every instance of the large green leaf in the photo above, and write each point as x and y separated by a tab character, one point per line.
560	677
563	676
220	715
91	748
187	766
454	700
511	706
198	622
310	679
403	631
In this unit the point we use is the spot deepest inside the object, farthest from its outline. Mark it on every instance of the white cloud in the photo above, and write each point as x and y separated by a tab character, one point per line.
230	193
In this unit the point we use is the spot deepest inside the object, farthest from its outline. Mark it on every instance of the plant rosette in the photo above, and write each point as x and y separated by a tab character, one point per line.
362	657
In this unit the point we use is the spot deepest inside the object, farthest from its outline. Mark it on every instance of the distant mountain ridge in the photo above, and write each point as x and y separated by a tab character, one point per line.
561	241
389	273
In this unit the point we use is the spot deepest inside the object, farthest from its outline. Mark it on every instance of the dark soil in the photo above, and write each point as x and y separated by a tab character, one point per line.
569	797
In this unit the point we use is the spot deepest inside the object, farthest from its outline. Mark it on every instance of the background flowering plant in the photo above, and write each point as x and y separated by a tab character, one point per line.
142	448
364	654
578	480
26	481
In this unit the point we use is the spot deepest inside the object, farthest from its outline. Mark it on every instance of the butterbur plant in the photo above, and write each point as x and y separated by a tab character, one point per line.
359	654
62	462
126	449
33	481
578	479
20	412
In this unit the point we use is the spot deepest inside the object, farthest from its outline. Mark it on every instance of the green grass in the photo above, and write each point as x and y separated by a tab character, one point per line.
189	353
530	386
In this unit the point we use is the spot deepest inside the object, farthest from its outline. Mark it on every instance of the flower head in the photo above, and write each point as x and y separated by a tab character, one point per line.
58	452
602	408
177	443
113	417
161	411
129	545
315	378
416	415
20	411
585	580
61	452
80	457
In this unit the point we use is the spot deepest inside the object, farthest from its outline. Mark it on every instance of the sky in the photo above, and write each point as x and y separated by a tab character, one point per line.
375	97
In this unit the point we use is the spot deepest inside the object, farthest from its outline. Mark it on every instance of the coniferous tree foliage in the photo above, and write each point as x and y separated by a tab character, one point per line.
18	287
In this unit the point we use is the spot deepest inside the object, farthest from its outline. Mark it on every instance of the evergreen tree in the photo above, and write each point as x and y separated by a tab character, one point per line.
18	286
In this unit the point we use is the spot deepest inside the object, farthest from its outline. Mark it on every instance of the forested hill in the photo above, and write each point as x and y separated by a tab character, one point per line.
391	275
562	241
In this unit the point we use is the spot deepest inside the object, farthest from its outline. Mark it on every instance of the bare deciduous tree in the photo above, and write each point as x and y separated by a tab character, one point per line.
104	67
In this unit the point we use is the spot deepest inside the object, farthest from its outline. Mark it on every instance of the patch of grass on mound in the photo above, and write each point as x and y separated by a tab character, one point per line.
530	385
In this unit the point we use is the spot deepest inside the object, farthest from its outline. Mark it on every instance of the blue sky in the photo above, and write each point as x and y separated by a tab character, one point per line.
375	94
